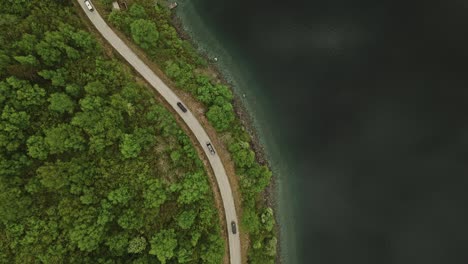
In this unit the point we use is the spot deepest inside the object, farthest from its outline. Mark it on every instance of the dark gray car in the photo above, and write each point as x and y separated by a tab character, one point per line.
182	107
233	227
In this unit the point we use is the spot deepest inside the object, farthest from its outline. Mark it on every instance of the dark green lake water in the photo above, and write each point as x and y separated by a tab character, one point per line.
362	108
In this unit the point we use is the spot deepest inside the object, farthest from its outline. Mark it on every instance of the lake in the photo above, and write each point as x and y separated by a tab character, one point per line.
362	108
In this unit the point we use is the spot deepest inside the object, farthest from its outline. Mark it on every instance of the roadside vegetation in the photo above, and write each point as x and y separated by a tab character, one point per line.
92	168
149	26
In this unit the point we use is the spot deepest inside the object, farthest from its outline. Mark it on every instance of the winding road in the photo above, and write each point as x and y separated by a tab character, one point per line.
189	119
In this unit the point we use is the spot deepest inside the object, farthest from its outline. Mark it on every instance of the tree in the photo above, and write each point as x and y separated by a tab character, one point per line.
213	252
12	126
137	245
143	260
26	44
221	116
163	245
103	124
22	94
250	221
130	220
242	154
73	90
175	156
118	244
28	60
49	48
4	62
144	136
208	93
14	205
186	219
86	236
193	188
270	248
92	103
172	69
144	33
61	103
154	194
56	46
120	19
54	175
258	177
137	11
58	77
109	73
184	255
63	138
106	213
129	147
120	196
95	88
267	218
37	148
195	237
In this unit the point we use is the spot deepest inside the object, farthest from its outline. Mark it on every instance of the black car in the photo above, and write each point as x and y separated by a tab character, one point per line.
233	227
182	107
210	148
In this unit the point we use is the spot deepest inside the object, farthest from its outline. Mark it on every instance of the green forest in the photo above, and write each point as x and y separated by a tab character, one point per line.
92	168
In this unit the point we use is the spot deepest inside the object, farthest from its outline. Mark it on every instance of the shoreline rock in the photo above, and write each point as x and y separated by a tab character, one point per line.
270	195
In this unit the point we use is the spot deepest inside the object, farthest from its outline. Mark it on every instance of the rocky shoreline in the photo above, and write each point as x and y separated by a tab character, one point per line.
270	193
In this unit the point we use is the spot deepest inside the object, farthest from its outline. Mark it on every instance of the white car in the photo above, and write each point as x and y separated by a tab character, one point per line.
88	5
210	148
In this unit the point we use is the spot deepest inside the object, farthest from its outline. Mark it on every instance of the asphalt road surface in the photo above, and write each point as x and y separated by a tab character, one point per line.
189	119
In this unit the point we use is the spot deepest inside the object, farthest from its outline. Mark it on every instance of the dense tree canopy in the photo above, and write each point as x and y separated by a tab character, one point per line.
87	170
